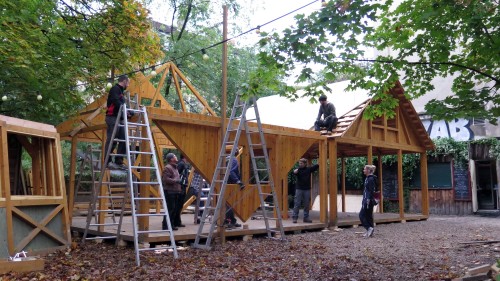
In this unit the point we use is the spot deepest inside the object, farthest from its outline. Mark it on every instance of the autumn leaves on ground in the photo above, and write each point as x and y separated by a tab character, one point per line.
426	250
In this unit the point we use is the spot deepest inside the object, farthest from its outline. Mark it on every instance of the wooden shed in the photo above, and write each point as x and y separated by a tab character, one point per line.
33	215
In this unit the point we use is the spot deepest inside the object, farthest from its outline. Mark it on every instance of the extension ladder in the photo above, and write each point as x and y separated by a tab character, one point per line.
231	138
140	177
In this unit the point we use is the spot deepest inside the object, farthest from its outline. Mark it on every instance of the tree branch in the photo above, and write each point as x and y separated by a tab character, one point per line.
497	80
190	7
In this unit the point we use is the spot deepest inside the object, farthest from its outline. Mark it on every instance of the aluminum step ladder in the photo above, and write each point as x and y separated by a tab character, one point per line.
90	163
140	179
211	213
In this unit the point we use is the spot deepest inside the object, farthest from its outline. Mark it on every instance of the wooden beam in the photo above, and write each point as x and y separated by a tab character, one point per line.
89	118
323	181
381	144
400	186
369	154
179	92
39	227
380	184
72	175
194	91
343	171
424	184
332	156
145	175
5	185
162	81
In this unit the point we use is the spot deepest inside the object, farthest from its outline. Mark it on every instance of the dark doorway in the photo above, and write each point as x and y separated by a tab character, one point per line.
486	183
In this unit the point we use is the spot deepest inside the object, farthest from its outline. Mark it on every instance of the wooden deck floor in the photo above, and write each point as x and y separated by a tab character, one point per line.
250	227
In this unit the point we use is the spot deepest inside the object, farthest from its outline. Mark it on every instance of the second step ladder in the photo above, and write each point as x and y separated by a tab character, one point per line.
261	171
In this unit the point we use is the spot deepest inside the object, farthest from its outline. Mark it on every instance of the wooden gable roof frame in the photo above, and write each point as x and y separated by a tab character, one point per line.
355	136
89	124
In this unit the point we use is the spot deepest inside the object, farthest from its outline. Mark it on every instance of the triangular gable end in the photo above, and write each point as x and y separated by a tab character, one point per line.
404	131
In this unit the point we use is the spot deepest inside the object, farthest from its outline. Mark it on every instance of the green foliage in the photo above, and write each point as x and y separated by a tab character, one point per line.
449	146
428	39
50	47
494	145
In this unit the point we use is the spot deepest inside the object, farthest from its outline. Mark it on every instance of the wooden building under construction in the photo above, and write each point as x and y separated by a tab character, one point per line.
198	136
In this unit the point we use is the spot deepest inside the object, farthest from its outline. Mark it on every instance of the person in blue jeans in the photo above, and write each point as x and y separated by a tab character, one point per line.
366	213
303	189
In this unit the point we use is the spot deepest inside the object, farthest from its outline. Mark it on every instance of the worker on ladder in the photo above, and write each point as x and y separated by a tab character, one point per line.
116	99
234	178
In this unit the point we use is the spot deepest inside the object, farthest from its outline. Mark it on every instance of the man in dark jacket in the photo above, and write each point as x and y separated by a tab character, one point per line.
183	169
366	213
327	110
303	189
115	101
172	187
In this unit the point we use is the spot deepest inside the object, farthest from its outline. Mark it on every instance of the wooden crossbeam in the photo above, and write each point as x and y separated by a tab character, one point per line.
39	227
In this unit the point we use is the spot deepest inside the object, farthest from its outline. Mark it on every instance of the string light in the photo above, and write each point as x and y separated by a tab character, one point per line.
323	3
205	56
257	29
153	72
4	98
39	97
108	86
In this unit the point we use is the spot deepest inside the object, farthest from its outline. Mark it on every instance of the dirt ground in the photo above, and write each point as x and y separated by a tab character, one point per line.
425	250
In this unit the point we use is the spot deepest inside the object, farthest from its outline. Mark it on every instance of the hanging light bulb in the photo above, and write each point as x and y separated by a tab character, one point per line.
205	56
4	98
39	97
323	3
153	72
108	86
257	29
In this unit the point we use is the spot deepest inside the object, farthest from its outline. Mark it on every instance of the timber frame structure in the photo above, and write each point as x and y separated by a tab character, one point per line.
198	137
33	216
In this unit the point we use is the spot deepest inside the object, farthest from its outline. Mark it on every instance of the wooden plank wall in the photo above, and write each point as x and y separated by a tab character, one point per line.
441	202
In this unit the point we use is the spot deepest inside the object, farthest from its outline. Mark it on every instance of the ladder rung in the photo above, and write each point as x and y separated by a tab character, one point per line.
143	167
253	119
266	194
103	224
205	189
109	197
100	237
264	182
107	211
146	182
140	152
147	198
138	138
262	169
118	140
113	183
256	144
150	215
134	110
157	248
137	124
152	231
259	157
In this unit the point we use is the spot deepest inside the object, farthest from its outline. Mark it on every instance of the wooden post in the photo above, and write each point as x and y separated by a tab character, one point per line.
332	155
72	173
323	181
380	184
424	184
5	184
222	216
143	207
400	185
343	184
369	155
